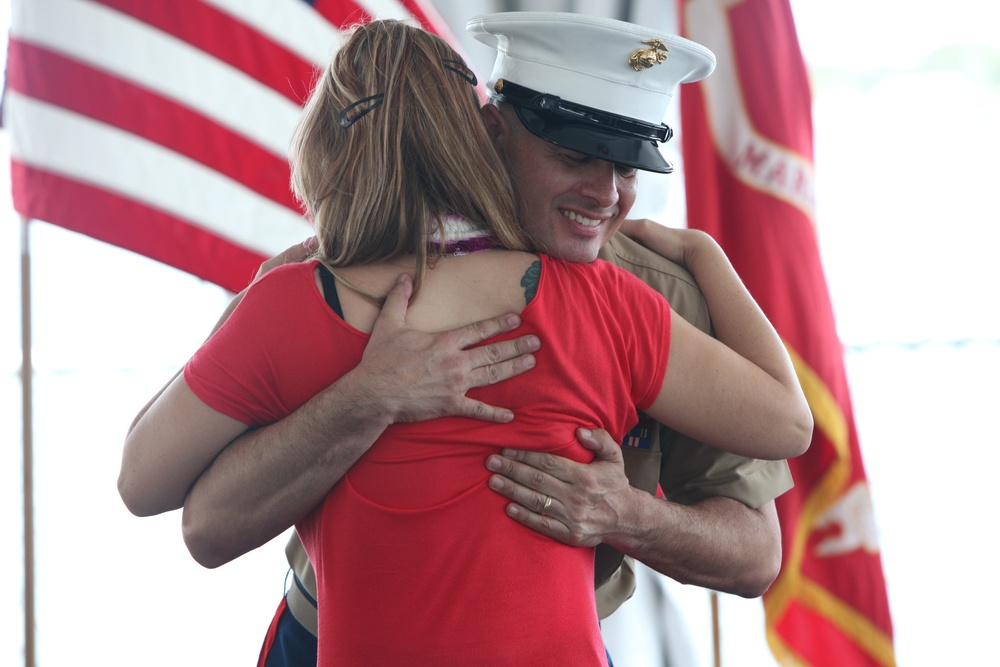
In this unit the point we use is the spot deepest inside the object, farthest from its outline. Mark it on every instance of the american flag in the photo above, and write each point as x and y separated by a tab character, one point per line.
162	126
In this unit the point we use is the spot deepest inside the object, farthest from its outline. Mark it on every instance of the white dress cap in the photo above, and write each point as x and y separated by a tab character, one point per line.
609	65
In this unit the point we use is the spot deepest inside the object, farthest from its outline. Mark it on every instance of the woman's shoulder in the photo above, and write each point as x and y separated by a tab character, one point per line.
603	280
285	284
284	274
599	269
501	264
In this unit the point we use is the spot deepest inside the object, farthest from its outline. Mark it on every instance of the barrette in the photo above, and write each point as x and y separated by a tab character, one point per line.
346	120
461	69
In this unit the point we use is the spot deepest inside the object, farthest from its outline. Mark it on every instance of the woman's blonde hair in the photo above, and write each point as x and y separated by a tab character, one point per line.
378	177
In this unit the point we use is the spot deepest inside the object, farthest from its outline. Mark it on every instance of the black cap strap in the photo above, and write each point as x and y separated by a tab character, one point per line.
517	95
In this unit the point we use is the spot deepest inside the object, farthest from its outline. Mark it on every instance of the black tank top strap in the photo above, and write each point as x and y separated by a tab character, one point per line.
330	290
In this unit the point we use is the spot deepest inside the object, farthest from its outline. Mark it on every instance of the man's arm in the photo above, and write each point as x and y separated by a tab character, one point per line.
405	375
269	478
720	542
717	543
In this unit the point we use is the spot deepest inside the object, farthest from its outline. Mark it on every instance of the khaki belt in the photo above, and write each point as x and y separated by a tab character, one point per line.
301	607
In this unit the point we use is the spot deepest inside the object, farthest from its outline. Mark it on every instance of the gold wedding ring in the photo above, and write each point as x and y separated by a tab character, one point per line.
545	507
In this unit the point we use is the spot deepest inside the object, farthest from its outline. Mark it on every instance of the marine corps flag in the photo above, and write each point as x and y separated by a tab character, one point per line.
748	158
162	126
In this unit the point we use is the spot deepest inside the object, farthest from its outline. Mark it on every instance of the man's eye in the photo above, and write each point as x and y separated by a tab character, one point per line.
576	159
627	172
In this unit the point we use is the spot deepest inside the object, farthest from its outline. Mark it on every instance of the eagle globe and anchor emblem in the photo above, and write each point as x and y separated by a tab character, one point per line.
642	59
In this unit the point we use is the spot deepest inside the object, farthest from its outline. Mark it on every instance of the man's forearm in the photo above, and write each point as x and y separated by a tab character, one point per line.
716	543
270	478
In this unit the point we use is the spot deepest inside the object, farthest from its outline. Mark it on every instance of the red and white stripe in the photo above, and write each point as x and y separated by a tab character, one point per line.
162	126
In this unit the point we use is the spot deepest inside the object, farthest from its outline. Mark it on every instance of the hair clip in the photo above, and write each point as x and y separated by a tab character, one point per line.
346	121
464	72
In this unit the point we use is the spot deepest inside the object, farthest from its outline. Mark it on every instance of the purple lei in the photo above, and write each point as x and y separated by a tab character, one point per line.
465	246
462	236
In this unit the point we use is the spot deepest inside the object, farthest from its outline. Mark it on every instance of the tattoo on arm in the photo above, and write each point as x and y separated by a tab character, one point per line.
529	281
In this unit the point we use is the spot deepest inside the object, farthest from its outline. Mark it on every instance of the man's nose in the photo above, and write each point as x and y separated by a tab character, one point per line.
601	184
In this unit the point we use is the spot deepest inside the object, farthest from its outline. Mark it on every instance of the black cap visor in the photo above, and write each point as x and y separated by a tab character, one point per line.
589	131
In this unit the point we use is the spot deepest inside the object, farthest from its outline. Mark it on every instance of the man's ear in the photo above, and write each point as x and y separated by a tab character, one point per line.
496	123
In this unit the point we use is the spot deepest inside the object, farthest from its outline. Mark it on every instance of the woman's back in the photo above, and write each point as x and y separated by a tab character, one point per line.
593	368
417	502
458	290
605	340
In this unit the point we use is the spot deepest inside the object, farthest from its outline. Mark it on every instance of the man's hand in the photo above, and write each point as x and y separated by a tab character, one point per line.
269	478
717	543
588	500
417	375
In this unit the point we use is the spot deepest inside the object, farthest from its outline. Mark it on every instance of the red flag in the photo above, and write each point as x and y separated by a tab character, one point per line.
748	161
162	126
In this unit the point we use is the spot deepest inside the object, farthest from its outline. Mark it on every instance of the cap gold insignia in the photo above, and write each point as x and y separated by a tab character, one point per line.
645	58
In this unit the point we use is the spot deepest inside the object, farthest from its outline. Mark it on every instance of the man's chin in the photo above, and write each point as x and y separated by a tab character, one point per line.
570	248
584	255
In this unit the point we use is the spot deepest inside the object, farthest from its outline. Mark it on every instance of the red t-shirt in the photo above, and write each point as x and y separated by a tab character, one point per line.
416	560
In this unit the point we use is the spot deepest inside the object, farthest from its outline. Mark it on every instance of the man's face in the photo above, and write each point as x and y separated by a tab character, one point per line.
570	204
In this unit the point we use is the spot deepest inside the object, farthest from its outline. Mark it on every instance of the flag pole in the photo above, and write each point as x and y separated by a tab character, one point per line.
27	439
716	631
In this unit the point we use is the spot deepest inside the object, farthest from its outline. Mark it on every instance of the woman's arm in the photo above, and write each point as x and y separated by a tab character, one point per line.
739	392
176	469
405	375
296	253
172	441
